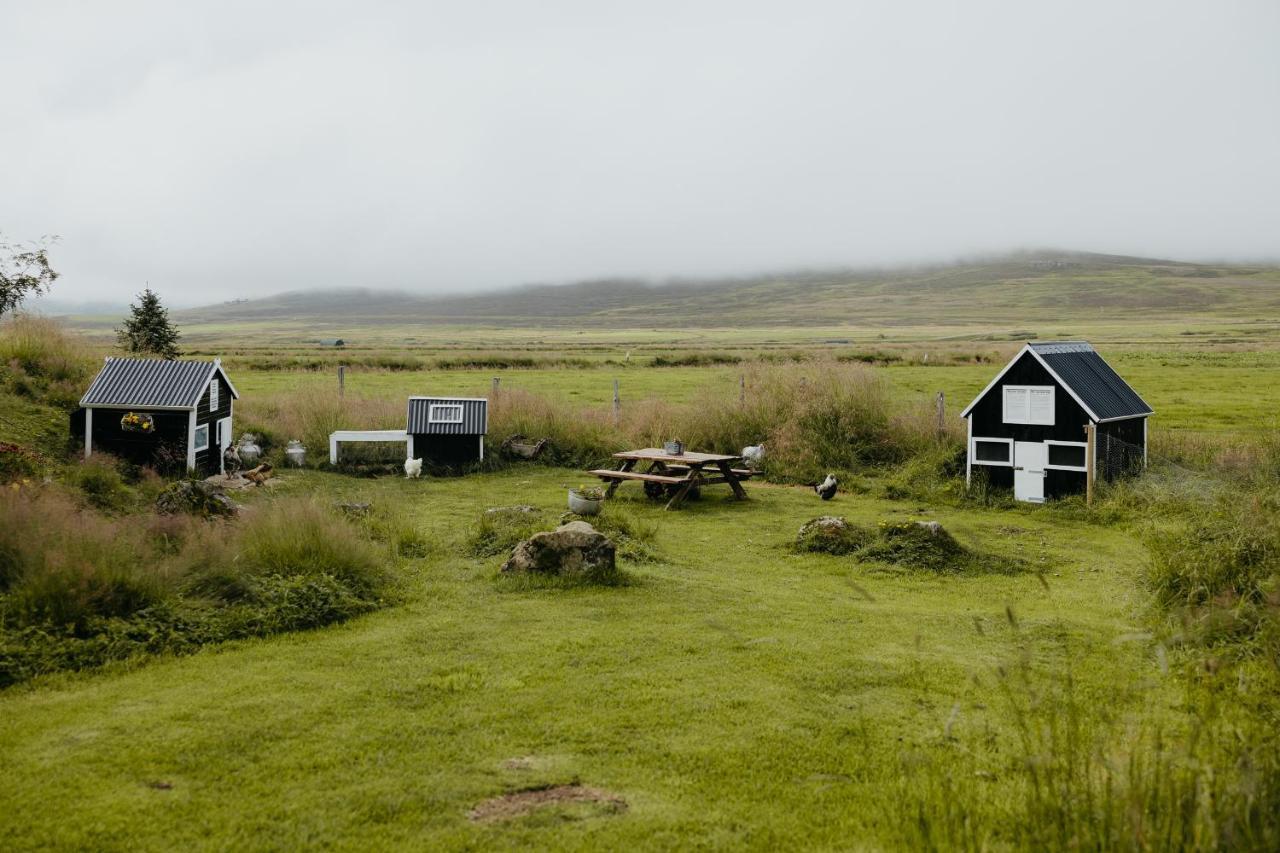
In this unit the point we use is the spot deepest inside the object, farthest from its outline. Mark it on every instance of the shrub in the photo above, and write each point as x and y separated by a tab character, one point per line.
99	480
296	602
303	538
17	462
1222	569
78	589
61	565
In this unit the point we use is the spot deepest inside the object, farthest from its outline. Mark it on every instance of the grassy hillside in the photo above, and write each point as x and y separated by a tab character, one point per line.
1028	288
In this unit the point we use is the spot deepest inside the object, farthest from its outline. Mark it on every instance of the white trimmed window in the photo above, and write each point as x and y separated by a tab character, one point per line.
202	437
1068	455
213	394
444	413
991	451
1028	404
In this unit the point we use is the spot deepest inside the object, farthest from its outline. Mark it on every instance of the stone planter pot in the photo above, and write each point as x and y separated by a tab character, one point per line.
249	450
296	454
584	506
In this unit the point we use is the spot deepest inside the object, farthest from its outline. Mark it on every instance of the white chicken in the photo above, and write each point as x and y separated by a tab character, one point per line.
827	488
413	468
753	455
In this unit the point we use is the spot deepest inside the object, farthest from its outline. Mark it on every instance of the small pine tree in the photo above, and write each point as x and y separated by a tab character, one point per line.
148	330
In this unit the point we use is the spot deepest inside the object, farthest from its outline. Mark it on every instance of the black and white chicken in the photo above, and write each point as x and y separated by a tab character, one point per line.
827	488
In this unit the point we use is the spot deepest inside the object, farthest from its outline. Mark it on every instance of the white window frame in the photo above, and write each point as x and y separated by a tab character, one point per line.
1084	469
1026	418
196	446
973	451
213	394
431	413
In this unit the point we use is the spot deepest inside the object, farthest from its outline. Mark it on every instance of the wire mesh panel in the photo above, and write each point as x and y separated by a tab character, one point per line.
1117	457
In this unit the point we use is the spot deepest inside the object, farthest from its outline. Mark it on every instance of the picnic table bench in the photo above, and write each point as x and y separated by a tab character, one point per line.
675	474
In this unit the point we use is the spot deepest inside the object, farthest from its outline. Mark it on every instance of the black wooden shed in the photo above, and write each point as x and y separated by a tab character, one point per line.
1027	429
158	412
447	430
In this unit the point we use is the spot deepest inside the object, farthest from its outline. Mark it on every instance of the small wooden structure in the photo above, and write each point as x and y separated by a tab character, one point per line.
447	430
439	430
675	475
1054	419
159	412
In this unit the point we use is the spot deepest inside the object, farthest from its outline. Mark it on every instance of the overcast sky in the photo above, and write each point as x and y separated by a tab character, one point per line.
224	150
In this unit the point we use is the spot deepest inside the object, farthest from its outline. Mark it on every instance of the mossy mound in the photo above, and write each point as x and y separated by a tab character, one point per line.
917	545
501	528
831	534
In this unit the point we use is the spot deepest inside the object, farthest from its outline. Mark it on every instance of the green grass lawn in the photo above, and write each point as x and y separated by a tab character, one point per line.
733	693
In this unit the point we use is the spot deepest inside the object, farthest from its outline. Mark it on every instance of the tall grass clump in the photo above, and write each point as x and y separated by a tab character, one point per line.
310	417
79	588
63	565
813	417
38	359
579	437
1218	575
1083	772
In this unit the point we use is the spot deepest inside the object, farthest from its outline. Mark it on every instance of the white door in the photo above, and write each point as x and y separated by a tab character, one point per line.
1029	461
224	441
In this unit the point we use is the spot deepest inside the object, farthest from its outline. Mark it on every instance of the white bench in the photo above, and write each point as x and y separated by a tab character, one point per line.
345	435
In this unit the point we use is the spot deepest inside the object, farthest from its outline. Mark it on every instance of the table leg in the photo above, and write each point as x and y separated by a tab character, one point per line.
627	465
734	483
683	490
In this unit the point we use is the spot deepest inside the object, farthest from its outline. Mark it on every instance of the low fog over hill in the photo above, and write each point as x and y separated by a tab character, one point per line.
1024	286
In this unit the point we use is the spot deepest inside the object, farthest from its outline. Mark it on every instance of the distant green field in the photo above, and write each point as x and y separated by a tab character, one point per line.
1219	391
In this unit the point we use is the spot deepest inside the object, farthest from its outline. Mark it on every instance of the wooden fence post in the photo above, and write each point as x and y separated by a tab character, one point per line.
617	404
742	389
942	414
1089	444
496	382
342	379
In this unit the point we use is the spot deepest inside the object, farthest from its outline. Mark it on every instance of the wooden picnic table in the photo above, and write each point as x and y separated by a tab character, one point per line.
675	474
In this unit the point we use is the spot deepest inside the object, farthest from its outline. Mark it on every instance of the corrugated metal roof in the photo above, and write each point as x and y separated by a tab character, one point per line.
149	383
474	416
1085	372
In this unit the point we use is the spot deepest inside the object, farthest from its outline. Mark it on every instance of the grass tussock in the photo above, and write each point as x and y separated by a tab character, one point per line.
79	588
499	529
311	417
813	417
1218	576
40	361
1095	778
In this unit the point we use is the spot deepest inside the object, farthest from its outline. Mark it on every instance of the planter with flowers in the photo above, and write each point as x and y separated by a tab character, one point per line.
586	500
135	422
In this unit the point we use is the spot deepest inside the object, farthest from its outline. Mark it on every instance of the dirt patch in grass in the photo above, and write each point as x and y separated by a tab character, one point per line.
521	803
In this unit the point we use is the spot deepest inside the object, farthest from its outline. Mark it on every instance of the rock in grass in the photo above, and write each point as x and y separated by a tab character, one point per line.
829	534
195	497
574	550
